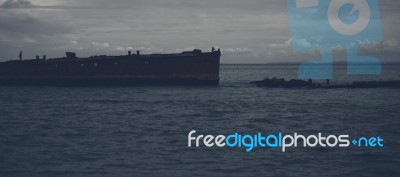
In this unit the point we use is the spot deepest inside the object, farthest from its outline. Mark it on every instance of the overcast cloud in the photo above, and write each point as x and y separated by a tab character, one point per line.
248	31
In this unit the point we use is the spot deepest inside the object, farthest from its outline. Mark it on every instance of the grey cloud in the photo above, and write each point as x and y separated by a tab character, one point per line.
24	23
247	31
389	48
25	4
17	4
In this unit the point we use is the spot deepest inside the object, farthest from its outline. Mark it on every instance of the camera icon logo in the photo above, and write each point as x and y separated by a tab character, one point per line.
327	24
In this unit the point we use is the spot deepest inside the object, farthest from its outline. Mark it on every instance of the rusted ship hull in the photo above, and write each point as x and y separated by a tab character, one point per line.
187	68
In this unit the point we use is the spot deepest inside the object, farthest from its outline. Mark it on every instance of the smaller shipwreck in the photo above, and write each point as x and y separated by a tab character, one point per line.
297	83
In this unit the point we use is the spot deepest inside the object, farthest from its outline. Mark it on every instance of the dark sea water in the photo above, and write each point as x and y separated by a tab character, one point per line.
142	131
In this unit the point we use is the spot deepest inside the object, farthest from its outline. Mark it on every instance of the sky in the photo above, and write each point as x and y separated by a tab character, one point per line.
247	31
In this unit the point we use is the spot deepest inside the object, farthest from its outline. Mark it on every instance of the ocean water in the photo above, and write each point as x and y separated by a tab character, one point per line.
142	131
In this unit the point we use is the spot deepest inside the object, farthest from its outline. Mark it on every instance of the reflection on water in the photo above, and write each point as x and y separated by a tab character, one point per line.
142	131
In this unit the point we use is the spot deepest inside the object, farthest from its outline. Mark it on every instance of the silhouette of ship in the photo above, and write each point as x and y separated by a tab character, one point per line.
298	83
186	68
